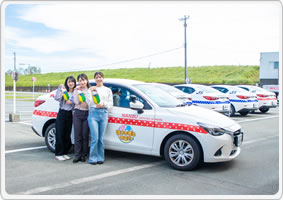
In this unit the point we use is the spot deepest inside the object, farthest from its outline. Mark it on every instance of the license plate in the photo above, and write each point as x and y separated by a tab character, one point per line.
254	105
238	139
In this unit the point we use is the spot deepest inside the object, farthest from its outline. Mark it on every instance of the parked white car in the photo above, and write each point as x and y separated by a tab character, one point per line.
266	99
150	121
182	96
207	97
241	100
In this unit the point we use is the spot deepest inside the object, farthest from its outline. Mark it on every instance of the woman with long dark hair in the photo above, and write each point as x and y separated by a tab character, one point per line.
80	119
64	95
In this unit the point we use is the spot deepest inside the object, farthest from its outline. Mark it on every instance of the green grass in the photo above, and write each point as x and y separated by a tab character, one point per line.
202	75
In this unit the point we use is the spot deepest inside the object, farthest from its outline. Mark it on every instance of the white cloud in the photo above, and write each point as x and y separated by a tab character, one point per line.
218	32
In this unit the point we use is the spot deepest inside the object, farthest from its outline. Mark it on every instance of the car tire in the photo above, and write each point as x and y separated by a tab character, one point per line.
232	111
264	110
182	152
244	113
50	137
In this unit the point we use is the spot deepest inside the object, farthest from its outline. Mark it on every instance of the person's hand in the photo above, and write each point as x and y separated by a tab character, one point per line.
93	88
100	105
62	86
69	102
78	87
84	105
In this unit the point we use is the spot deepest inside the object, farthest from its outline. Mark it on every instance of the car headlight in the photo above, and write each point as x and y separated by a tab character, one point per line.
214	130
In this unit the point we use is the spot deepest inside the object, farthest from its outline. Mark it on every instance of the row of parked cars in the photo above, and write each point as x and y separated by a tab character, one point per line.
227	99
153	119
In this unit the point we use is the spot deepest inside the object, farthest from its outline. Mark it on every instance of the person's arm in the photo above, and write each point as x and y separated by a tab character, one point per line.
76	98
109	101
59	94
88	97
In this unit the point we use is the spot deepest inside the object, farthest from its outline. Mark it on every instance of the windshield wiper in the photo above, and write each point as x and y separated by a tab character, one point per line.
181	105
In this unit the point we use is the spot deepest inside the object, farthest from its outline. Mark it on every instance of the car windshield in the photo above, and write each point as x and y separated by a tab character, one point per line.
170	89
257	89
207	89
237	89
158	95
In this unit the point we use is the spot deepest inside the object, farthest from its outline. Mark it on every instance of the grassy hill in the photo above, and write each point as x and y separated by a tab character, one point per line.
202	75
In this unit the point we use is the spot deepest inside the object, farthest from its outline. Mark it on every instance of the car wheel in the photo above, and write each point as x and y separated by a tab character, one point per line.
50	137
232	111
244	112
264	110
182	152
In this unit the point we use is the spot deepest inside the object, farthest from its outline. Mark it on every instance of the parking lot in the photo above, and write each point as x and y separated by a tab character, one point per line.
31	169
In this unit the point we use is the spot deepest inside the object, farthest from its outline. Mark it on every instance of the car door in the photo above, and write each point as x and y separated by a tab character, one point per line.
128	130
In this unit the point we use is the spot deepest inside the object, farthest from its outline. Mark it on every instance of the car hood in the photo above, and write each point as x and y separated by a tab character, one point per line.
199	114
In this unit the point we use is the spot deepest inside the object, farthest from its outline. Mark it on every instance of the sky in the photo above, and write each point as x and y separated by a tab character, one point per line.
73	36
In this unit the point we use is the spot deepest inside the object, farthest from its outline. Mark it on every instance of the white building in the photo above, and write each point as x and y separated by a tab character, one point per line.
269	68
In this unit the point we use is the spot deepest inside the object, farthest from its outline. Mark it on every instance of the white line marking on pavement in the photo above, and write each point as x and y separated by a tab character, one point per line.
91	178
259	139
24	149
25	123
248	120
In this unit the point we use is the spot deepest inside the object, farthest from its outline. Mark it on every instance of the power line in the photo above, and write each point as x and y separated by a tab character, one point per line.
138	58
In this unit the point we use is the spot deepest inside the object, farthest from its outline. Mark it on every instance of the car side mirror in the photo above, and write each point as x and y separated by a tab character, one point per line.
136	105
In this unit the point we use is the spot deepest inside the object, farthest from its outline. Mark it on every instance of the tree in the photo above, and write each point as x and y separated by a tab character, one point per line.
9	72
32	70
20	70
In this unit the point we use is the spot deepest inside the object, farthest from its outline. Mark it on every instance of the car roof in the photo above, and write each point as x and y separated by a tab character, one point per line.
190	85
119	81
228	86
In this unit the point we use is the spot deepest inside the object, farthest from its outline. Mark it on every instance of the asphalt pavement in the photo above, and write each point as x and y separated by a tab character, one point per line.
31	169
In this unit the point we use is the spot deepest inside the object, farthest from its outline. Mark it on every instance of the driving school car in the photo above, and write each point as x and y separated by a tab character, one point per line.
241	100
266	99
150	121
207	97
182	96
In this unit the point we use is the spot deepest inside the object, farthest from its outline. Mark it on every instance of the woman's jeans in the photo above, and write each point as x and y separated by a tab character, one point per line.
97	121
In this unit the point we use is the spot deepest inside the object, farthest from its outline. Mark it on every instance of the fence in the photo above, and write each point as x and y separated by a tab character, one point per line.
29	89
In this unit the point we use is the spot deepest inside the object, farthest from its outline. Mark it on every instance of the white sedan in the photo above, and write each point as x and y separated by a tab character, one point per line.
266	99
182	96
207	97
241	100
150	121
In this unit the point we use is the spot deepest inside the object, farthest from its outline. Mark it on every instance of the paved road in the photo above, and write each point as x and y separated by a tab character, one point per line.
36	172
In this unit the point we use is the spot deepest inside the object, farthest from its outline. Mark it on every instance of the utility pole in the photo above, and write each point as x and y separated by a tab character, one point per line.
185	45
14	85
14	116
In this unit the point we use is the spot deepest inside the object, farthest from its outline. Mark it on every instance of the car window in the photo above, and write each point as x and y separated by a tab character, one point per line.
257	89
169	88
121	97
221	89
245	88
158	96
207	89
188	90
237	89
